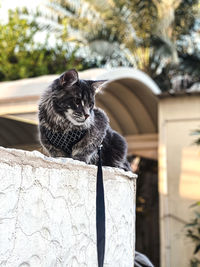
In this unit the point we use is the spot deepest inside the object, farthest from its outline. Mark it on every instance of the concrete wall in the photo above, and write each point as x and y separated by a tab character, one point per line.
47	212
179	175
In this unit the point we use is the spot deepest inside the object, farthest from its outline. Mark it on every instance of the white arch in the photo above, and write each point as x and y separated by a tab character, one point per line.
122	72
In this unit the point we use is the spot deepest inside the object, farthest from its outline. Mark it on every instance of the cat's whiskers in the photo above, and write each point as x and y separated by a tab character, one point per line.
74	119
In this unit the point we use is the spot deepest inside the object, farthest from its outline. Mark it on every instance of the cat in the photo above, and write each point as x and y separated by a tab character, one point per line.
67	106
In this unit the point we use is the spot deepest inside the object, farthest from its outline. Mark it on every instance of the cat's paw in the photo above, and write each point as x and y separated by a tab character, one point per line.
79	157
55	153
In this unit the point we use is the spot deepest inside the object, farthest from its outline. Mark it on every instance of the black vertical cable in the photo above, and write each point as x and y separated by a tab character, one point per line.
100	213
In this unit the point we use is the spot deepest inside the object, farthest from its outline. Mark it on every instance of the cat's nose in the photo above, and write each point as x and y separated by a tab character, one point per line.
86	116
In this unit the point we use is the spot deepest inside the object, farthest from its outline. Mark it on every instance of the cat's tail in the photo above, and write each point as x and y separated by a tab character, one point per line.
141	260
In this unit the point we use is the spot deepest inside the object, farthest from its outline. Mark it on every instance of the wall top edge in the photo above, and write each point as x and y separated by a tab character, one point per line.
37	160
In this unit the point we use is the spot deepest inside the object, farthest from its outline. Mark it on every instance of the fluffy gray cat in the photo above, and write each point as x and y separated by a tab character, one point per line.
71	126
68	107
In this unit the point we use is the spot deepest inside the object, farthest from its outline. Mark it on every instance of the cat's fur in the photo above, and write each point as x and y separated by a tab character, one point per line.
67	105
61	111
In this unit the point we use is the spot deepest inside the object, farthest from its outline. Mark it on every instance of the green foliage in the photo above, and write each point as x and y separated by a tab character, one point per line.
143	33
21	56
185	16
188	65
151	35
193	232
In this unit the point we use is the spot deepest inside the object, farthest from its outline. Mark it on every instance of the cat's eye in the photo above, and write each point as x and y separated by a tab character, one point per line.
77	101
62	105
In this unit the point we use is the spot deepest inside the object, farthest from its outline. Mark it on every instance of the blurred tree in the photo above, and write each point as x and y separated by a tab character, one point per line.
193	232
21	56
148	34
15	35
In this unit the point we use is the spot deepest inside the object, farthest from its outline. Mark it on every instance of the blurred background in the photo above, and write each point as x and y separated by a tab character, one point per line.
150	51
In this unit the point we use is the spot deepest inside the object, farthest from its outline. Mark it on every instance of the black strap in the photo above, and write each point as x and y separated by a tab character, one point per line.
100	213
65	142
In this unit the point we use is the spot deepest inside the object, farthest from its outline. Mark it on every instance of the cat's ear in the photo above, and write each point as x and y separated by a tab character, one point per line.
98	85
69	78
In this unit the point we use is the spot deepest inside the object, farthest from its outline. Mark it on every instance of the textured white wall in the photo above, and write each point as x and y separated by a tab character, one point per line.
47	212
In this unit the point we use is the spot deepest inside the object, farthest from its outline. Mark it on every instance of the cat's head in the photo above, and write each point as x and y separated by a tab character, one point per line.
74	98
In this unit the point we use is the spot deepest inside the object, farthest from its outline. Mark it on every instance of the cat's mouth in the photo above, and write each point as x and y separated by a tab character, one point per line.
80	119
76	120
